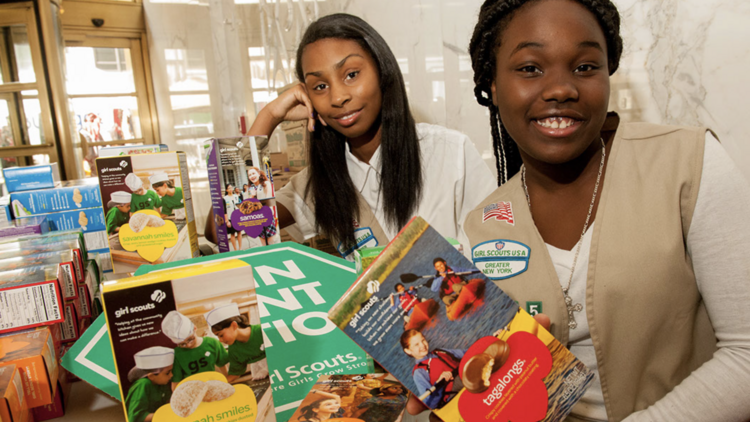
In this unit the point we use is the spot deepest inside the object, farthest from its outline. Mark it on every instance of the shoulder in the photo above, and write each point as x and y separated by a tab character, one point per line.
502	193
139	385
210	341
650	138
643	130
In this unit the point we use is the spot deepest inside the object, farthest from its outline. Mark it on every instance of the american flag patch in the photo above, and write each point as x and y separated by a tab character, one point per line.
501	211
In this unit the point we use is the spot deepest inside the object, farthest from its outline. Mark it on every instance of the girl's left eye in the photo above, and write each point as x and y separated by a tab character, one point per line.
529	70
352	75
586	68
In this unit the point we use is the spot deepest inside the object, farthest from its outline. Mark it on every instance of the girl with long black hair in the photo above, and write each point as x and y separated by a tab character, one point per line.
371	168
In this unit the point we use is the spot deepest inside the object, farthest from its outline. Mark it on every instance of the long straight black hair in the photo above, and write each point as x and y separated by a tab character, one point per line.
332	190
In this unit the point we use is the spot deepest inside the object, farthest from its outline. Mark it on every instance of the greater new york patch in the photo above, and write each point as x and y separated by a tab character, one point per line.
501	258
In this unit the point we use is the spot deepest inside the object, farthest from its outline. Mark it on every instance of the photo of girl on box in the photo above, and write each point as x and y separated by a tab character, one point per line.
230	204
245	342
142	199
435	372
327	407
259	183
172	200
194	354
151	378
119	211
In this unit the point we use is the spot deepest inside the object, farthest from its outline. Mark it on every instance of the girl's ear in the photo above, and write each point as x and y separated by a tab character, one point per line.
234	325
494	93
407	352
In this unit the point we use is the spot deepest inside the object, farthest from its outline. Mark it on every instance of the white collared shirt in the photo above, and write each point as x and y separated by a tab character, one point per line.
455	180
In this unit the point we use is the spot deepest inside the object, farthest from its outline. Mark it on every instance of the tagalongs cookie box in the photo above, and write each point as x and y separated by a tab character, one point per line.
455	339
148	209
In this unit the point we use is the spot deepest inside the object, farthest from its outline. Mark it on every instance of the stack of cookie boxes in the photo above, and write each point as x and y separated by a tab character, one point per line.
46	287
73	204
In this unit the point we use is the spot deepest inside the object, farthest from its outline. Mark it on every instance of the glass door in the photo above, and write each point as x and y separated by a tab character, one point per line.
26	128
107	94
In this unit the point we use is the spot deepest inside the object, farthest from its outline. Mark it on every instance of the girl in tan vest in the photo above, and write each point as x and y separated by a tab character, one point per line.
371	167
635	235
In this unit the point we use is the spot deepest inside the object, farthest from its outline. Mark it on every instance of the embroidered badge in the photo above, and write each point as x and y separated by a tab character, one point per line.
500	211
500	258
364	237
534	308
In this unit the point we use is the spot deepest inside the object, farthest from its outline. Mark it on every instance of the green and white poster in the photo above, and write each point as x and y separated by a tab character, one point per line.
90	359
295	288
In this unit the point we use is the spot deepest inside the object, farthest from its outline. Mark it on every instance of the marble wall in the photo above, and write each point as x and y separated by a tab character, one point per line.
684	63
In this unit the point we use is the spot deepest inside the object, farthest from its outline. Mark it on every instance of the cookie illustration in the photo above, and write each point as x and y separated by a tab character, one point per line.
83	220
218	390
248	207
139	221
154	221
77	197
187	397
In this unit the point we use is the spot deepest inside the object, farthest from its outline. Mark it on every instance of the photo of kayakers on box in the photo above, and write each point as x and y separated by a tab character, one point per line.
453	338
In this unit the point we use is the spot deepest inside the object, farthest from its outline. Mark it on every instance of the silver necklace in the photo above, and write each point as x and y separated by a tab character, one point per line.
568	300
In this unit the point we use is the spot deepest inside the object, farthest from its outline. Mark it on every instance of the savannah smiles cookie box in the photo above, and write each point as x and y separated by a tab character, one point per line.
453	338
295	286
248	217
148	209
185	352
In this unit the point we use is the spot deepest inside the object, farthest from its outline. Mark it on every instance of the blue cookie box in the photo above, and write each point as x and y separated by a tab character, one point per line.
33	177
68	220
47	201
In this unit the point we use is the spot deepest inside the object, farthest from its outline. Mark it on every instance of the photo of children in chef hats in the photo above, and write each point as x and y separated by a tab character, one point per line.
142	199
150	388
245	341
194	354
171	196
119	211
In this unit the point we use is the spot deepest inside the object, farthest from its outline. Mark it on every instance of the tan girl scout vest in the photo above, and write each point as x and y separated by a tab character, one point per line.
367	230
648	322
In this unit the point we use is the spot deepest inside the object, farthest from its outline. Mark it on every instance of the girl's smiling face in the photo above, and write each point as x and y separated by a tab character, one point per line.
253	175
418	347
343	84
328	406
551	83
